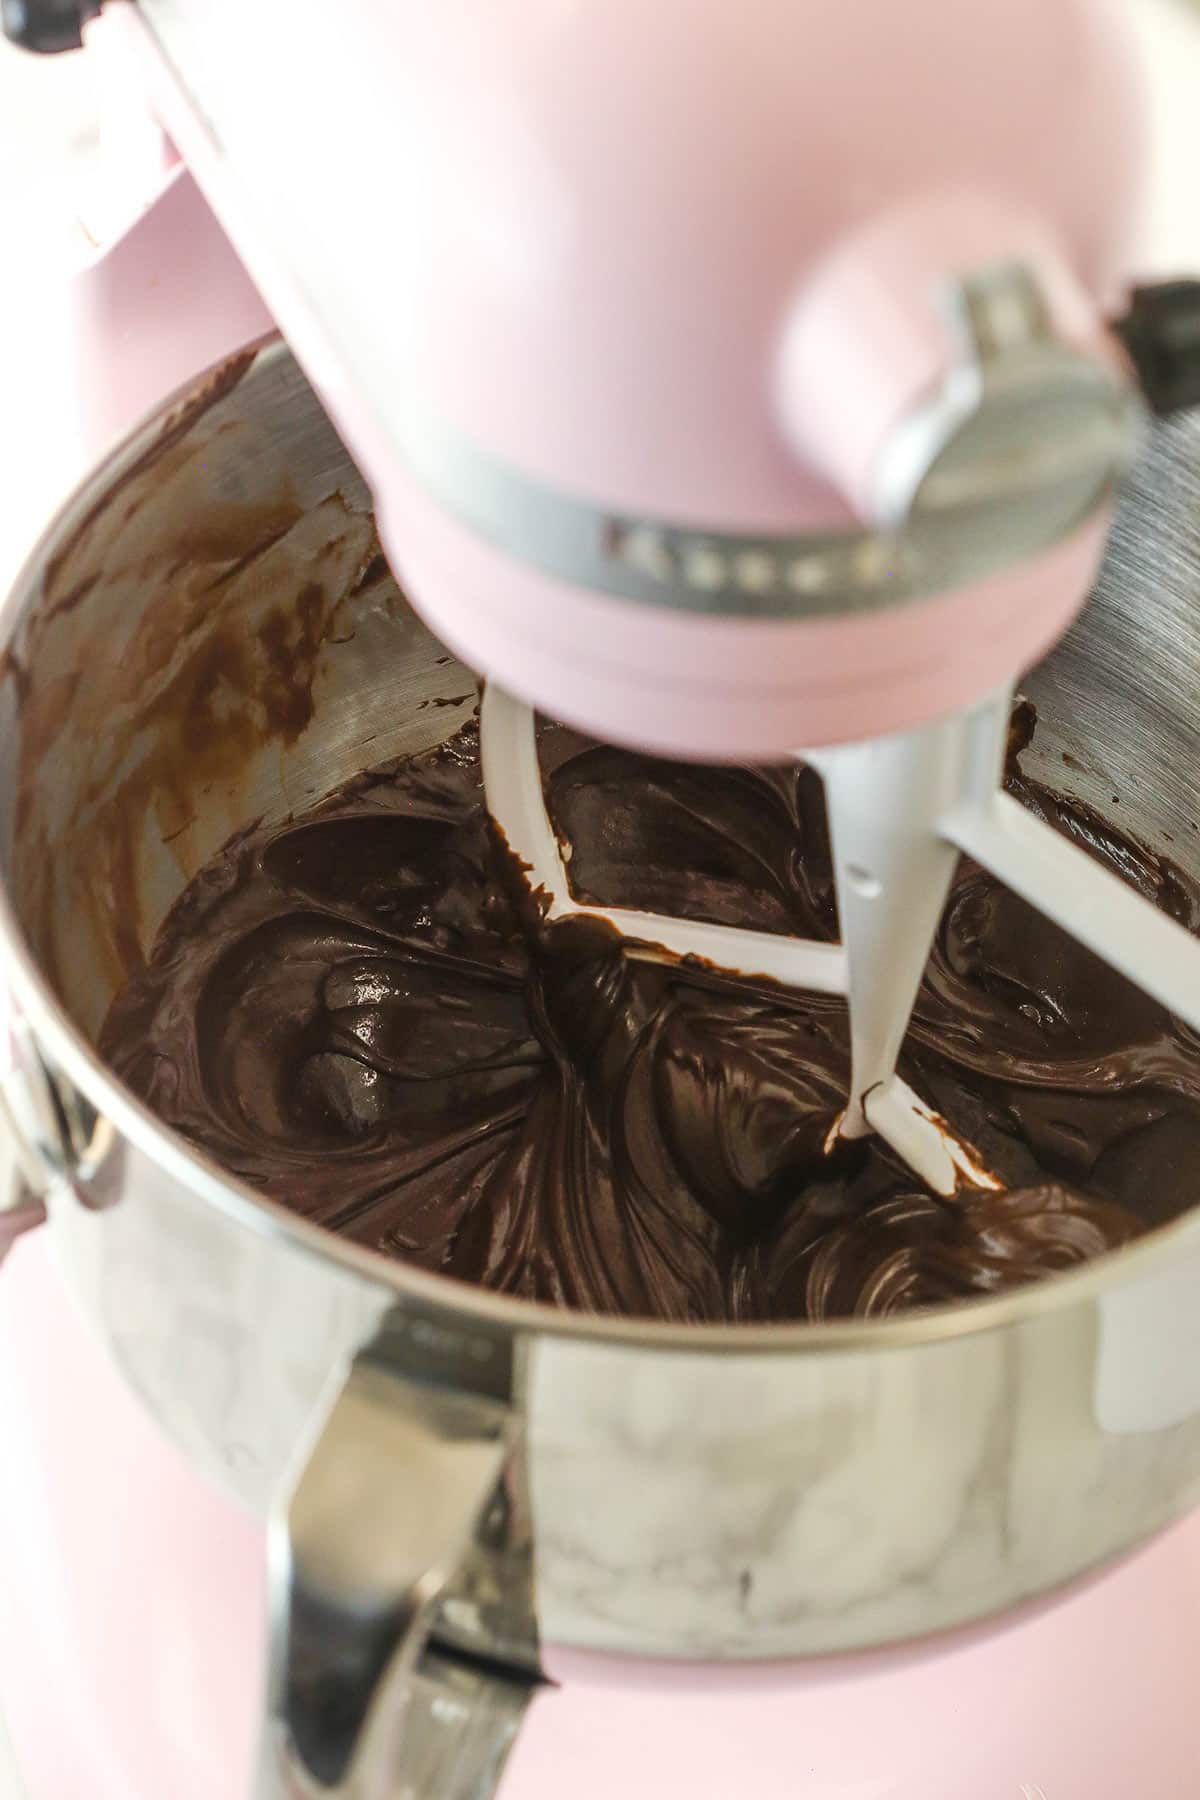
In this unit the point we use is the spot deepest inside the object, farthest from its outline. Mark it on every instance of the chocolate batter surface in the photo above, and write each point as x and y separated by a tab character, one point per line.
360	1013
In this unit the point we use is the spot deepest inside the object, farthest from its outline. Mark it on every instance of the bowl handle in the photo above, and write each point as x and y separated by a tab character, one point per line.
19	1210
24	1175
390	1497
51	1136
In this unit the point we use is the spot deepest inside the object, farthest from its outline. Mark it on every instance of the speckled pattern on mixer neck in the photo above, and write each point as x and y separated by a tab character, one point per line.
361	1013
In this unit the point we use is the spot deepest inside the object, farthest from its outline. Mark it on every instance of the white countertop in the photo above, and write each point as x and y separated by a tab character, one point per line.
47	126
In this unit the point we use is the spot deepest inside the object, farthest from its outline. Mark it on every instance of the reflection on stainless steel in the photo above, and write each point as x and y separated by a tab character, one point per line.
489	1598
753	1492
459	1725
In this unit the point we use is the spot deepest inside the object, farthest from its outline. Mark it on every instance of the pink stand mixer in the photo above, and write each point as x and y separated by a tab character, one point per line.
733	384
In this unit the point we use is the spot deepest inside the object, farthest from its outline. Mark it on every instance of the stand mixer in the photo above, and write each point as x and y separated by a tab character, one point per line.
730	386
923	411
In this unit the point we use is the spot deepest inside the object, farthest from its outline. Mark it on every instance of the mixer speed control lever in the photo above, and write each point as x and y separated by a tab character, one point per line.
1021	440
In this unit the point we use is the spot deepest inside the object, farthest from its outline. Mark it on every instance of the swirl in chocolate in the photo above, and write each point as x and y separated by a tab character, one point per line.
361	1014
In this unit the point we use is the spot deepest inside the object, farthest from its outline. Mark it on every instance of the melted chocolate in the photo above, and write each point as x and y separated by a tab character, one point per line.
361	1014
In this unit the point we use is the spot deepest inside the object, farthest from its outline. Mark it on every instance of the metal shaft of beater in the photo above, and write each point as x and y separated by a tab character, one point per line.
886	799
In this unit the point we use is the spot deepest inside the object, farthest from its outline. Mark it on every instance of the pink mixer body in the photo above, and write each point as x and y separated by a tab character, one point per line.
604	297
709	308
629	323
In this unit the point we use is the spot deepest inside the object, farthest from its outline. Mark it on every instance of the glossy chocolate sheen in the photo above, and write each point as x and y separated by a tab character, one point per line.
361	1013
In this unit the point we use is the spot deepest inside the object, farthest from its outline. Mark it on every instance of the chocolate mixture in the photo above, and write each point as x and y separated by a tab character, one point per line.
361	1013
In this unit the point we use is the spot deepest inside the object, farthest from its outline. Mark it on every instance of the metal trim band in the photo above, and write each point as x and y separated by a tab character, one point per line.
659	562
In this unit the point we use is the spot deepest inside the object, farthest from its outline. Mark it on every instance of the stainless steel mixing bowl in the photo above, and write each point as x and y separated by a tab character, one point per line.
518	1475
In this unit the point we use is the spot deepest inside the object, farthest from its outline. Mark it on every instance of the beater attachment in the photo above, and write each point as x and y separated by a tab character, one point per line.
901	809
